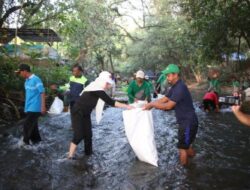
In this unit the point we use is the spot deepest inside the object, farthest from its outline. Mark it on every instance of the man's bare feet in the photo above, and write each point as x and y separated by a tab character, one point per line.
191	153
183	157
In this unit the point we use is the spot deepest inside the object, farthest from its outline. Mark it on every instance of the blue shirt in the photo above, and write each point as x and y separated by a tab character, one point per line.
184	109
33	90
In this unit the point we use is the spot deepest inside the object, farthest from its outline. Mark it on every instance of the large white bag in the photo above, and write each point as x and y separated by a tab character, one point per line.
140	133
56	107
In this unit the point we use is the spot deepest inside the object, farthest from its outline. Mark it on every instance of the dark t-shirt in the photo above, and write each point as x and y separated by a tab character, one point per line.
184	109
88	100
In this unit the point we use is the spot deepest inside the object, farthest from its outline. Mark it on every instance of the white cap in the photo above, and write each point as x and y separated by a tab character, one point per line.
140	74
105	76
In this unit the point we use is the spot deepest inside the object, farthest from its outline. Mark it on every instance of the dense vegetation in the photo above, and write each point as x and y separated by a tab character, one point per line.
194	34
124	36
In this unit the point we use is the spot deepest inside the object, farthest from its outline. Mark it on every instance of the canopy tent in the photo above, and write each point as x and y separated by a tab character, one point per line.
27	49
34	35
150	74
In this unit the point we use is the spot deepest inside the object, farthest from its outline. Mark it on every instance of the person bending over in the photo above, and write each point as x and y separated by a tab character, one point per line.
211	101
92	96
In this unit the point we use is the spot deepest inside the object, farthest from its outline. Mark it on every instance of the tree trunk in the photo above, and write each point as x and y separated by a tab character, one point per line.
238	54
111	62
101	61
143	14
197	75
4	17
1	8
245	36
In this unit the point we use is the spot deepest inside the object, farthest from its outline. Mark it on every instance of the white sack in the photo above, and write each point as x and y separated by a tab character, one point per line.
99	110
140	133
56	107
247	92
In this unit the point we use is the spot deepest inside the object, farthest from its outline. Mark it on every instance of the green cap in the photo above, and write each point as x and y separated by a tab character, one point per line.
171	68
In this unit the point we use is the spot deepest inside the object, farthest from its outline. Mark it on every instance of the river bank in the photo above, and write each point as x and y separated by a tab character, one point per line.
203	86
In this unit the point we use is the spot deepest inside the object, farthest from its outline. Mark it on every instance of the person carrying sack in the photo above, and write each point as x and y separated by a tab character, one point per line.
179	99
93	96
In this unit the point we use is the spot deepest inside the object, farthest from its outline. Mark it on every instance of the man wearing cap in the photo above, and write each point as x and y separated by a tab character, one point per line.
179	99
139	89
34	104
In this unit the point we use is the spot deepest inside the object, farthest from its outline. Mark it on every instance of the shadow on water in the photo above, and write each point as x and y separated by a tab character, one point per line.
222	160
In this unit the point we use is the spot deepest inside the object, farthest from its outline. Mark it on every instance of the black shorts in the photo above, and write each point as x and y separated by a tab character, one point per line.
186	135
209	105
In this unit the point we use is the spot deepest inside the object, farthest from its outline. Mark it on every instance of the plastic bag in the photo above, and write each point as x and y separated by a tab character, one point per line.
140	133
56	107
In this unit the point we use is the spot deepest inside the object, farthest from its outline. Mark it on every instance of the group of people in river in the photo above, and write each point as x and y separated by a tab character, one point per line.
85	96
238	93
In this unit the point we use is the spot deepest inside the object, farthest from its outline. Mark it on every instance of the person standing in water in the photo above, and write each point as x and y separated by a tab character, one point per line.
214	82
92	96
76	84
34	104
179	99
139	89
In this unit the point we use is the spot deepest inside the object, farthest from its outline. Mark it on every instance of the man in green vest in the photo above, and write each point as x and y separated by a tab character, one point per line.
76	84
139	89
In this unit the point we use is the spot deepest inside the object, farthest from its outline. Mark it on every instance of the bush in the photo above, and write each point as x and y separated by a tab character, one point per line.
8	79
53	74
50	74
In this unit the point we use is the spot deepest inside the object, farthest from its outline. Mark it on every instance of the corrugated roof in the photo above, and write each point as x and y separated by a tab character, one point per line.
34	35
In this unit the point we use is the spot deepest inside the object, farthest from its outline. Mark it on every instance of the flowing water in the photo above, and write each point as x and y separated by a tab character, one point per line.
222	160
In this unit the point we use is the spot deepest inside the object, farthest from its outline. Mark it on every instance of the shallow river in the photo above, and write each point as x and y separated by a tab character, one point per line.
222	160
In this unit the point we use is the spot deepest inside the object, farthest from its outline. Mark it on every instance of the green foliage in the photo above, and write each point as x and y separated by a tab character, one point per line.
92	27
219	25
8	79
193	34
51	74
33	13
